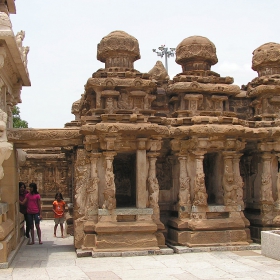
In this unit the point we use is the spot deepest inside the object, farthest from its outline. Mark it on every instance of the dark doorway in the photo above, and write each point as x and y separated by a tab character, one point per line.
212	165
125	180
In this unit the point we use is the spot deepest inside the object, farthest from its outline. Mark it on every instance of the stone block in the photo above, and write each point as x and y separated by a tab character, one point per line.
89	241
126	241
89	227
270	241
207	238
83	253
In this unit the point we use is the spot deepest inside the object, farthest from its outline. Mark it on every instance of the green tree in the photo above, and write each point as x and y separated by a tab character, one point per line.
17	121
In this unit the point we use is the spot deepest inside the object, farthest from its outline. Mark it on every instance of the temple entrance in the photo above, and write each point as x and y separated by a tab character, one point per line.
125	180
213	166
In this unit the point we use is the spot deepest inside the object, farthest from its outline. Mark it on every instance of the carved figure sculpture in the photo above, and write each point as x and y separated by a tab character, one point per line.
25	51
110	190
109	199
230	189
75	110
82	174
109	106
200	195
184	193
153	191
266	187
19	39
5	147
91	201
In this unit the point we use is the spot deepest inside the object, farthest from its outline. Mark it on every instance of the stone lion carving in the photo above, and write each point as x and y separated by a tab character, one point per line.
184	193
154	191
19	39
200	195
5	147
82	173
266	194
230	189
109	199
91	203
25	51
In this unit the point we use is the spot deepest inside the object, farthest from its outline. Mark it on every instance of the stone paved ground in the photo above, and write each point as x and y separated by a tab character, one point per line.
56	259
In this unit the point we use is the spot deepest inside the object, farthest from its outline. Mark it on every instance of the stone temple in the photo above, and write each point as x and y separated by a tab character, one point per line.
149	161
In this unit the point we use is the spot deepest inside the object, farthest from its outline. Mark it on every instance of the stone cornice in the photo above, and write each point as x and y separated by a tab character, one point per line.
264	90
28	137
117	82
203	88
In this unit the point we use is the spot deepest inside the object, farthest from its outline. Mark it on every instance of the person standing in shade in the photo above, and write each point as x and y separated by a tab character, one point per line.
33	203
59	210
22	208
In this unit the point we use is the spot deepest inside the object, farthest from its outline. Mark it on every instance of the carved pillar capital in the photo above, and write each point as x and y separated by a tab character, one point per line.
152	155
109	155
199	154
228	154
266	156
154	145
110	143
94	156
141	143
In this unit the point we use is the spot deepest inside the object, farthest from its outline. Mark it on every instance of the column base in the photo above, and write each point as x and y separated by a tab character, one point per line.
213	226
125	236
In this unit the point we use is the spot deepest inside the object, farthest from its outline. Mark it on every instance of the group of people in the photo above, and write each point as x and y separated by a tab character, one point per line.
30	207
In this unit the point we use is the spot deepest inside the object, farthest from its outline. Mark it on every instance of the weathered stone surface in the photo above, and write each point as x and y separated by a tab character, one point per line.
150	157
266	59
128	241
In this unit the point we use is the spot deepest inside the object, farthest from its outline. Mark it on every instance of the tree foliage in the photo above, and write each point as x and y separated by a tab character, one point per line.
17	121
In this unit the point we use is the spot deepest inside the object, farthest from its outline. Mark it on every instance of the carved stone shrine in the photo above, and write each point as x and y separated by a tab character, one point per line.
151	161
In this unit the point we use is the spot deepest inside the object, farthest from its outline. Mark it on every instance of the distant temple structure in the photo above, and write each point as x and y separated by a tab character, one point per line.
150	161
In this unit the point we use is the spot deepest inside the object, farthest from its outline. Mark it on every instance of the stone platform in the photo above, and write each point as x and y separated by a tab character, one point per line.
56	258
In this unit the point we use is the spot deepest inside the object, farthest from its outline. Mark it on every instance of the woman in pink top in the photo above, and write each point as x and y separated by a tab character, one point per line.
33	203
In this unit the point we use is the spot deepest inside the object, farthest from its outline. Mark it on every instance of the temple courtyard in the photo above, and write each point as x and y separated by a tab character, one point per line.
57	259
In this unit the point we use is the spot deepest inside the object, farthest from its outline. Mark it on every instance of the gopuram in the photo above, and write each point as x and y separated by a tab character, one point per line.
150	161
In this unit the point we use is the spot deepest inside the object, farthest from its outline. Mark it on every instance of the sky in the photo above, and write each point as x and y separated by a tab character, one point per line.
63	37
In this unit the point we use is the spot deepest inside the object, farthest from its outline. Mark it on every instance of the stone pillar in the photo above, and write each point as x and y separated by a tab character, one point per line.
229	185
184	191
200	194
110	189
153	186
266	182
91	212
238	179
248	181
141	194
